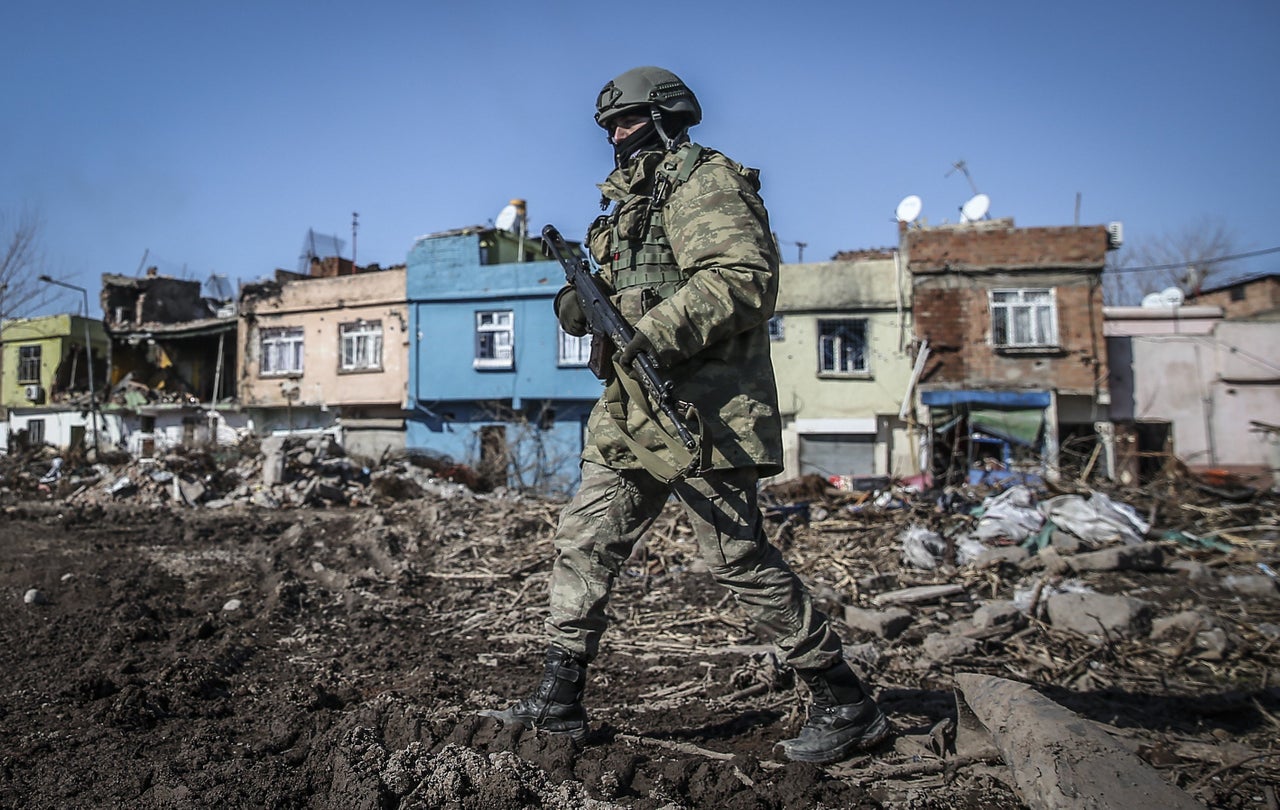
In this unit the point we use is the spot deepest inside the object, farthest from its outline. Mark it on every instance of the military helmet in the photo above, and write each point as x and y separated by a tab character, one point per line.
641	88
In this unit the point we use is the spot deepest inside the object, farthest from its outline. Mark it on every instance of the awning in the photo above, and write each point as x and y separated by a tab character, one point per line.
997	399
1014	416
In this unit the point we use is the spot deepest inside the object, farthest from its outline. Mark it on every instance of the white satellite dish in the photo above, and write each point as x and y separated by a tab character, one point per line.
1171	297
508	219
909	208
1151	301
975	209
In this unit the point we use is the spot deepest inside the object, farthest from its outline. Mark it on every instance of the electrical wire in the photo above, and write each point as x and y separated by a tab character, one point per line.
1180	265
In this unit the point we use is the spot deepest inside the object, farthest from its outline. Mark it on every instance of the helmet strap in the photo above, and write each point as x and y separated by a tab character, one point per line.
656	114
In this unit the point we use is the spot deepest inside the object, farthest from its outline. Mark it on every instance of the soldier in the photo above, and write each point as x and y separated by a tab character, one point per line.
686	249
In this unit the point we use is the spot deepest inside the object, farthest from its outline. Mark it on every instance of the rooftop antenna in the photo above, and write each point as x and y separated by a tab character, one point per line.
961	166
977	206
355	222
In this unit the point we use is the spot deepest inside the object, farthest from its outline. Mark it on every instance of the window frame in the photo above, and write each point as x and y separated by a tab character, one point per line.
490	351
29	366
838	352
1036	319
581	354
362	341
777	329
269	338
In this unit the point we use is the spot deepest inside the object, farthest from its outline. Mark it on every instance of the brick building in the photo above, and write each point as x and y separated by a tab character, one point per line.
1242	298
1011	358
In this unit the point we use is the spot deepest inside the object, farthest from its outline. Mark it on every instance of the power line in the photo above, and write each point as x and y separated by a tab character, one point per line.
1180	265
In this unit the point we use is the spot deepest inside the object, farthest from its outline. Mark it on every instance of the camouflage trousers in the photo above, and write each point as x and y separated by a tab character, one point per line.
613	508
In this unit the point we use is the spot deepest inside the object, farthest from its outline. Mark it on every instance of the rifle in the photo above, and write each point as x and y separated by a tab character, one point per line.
604	320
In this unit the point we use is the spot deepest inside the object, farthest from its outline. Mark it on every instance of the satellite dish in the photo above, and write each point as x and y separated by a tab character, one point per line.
1151	301
975	209
909	208
1171	297
508	219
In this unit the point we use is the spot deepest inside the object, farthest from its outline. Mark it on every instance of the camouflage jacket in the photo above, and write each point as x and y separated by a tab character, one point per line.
697	274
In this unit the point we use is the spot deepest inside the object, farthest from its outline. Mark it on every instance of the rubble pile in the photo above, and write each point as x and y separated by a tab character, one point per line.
1129	638
295	472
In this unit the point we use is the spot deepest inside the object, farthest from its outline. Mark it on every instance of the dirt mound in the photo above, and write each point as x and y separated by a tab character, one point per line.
248	657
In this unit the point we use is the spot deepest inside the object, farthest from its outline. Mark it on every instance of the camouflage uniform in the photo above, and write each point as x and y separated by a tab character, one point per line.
698	276
690	262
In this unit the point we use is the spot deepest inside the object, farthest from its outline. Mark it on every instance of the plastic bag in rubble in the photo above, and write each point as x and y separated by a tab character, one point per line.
1011	516
1098	520
968	549
55	472
922	548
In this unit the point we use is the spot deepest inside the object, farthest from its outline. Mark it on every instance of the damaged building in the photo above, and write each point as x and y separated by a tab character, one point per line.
172	359
325	352
1011	362
51	367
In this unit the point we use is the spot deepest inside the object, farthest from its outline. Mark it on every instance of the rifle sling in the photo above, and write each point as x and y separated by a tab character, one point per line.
688	462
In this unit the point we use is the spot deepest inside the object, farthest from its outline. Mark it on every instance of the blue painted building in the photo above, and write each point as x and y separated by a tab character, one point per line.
494	383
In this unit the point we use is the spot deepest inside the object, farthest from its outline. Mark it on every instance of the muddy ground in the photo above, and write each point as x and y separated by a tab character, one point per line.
158	656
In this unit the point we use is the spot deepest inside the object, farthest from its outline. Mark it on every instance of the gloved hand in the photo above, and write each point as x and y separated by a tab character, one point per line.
569	312
634	347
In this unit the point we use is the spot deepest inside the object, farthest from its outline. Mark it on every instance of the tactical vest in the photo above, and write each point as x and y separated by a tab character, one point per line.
641	254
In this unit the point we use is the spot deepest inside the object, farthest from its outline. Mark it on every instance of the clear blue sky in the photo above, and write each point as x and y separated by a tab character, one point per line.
211	136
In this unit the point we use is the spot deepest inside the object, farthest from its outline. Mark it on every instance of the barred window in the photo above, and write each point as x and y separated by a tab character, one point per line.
1024	318
495	339
282	351
842	346
361	345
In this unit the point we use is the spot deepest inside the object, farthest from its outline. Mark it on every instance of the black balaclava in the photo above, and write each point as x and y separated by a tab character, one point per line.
642	140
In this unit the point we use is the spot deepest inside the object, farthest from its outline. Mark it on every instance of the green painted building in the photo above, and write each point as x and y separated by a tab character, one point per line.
44	360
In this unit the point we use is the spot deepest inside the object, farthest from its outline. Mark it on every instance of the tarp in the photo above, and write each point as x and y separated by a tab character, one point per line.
1021	425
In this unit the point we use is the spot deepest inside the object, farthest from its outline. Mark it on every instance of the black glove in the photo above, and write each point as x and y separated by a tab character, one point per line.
634	347
569	312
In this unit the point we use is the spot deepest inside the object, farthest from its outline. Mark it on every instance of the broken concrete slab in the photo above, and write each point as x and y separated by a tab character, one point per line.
1013	555
1140	557
942	647
991	614
1095	614
1060	759
1252	585
886	624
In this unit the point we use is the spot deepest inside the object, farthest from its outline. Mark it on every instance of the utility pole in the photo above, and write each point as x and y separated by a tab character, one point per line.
88	352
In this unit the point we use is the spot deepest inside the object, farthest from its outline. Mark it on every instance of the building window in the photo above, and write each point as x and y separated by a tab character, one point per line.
1023	318
28	364
281	351
35	432
776	331
495	339
361	345
842	346
574	351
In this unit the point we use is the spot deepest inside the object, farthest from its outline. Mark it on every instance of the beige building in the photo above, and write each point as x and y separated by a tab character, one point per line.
840	337
1188	382
327	353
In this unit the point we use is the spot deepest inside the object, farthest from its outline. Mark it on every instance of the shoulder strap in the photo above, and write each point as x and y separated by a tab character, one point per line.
672	174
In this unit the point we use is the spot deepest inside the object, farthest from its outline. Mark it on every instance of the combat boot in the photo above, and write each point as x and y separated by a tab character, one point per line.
842	719
556	705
